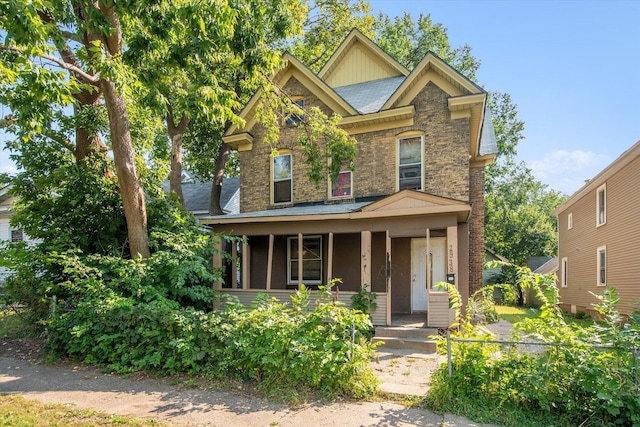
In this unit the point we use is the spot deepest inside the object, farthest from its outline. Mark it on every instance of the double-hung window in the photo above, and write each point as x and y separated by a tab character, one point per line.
342	186
602	266
311	260
410	158
601	205
282	178
570	221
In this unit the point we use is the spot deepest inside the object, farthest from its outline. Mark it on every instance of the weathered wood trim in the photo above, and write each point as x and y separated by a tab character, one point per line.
246	259
365	261
330	257
270	261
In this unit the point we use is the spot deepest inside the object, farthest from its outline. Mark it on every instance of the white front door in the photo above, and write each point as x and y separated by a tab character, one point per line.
419	258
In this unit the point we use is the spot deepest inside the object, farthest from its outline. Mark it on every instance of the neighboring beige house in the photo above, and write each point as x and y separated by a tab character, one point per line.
599	237
410	214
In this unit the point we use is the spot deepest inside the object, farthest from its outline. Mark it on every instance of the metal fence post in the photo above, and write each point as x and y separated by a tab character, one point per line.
449	353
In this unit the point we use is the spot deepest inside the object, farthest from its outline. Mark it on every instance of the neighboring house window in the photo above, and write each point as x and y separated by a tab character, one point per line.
570	221
564	281
282	180
295	119
601	205
311	260
410	163
342	187
17	236
602	266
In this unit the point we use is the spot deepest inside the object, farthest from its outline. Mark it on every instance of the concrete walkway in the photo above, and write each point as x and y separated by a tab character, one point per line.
88	388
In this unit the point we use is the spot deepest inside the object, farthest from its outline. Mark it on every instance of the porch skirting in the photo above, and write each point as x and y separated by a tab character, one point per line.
246	297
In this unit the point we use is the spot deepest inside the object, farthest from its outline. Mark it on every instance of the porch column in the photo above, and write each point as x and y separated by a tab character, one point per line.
246	259
300	259
388	272
452	252
234	265
269	261
217	260
428	260
365	261
330	257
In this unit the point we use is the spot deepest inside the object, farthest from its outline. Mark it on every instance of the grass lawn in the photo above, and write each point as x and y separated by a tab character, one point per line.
515	314
18	411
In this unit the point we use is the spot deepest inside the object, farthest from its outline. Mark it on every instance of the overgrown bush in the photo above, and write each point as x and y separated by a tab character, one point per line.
280	346
575	382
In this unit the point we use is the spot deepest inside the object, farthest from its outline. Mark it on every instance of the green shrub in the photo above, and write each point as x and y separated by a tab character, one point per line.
573	383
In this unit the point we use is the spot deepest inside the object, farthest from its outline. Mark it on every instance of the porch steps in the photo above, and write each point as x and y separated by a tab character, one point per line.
403	337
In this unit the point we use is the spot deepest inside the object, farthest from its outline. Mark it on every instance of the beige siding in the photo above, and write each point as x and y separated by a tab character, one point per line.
358	66
246	297
620	234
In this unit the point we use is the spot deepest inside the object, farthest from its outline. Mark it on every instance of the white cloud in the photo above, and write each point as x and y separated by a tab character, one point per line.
567	171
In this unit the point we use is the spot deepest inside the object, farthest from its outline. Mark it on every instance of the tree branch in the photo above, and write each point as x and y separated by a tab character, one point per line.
81	74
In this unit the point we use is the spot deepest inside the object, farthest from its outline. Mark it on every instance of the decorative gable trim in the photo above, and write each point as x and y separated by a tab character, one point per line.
294	68
411	199
432	68
366	50
240	141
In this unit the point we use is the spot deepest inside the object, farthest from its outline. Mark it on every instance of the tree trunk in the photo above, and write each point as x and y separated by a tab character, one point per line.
131	191
176	133
216	187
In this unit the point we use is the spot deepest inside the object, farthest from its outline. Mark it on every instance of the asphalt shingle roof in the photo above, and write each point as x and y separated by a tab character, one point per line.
369	97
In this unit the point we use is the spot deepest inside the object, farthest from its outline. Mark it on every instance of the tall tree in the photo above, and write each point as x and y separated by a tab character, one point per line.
71	48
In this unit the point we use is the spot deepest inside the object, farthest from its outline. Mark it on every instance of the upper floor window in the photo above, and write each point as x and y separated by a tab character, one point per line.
410	163
17	236
295	118
282	177
564	273
342	187
601	205
570	221
602	266
311	260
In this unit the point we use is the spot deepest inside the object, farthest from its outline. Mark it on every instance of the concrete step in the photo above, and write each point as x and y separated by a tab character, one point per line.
418	344
405	332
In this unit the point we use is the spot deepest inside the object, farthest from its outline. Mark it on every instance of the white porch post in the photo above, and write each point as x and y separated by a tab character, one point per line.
246	259
269	261
365	262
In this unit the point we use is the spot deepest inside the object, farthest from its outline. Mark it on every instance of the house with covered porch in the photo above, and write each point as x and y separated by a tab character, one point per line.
408	215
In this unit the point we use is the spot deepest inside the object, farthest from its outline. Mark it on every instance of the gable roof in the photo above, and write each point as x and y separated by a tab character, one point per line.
623	160
197	195
372	91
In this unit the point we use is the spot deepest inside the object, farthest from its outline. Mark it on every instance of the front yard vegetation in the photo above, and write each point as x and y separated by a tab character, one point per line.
587	376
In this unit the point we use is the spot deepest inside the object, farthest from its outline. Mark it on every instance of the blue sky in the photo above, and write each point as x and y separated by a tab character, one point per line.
571	67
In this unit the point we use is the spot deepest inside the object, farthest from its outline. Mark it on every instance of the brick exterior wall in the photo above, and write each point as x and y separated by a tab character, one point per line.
476	229
446	156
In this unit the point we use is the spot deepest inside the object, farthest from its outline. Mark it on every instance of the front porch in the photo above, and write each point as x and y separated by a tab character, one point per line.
397	247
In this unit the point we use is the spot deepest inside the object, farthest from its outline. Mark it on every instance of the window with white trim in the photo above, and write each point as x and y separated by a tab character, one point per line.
601	205
570	221
311	260
282	178
17	236
602	266
342	186
410	163
564	272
